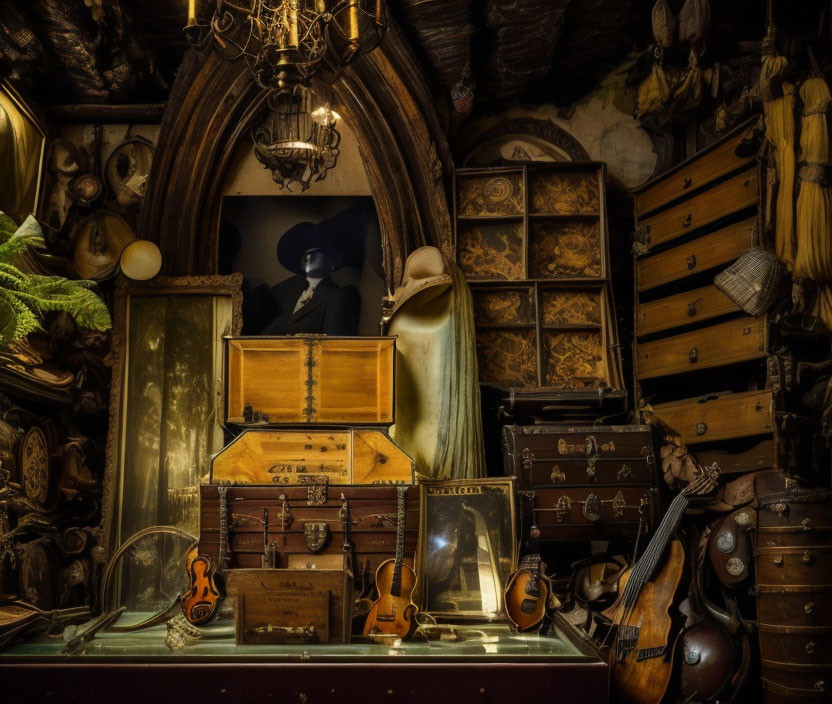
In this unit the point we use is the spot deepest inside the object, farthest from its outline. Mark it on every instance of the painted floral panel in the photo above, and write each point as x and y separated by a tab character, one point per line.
504	306
561	307
573	359
507	357
491	250
565	193
565	249
490	195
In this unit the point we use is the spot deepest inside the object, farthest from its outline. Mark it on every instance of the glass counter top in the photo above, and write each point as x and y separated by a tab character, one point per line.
468	642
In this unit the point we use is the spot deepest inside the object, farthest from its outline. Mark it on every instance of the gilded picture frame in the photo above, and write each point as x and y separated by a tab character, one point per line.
467	547
23	147
152	401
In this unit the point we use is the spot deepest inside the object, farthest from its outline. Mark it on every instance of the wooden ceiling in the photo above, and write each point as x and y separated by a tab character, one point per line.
128	51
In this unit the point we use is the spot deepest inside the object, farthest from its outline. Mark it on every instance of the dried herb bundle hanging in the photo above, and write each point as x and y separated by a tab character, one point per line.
694	19
664	24
814	202
779	115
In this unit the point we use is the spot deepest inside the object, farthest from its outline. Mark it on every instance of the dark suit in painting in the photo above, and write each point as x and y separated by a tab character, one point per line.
332	310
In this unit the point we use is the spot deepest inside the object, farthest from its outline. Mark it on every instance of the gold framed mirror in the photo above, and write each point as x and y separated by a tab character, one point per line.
467	547
166	400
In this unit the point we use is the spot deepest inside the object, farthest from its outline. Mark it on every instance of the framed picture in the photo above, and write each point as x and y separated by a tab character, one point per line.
22	152
467	547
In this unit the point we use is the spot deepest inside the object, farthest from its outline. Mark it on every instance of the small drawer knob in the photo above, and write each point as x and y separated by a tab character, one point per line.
807	557
809	607
691	262
688	220
693	355
810	647
777	560
691	309
701	427
806	523
687	183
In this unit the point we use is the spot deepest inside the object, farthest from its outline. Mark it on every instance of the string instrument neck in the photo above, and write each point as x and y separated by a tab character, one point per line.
401	515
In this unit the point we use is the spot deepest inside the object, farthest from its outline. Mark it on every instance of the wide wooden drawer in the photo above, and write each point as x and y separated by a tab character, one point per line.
709	418
720	247
731	196
791	682
727	343
795	605
699	171
808	646
587	513
683	308
779	566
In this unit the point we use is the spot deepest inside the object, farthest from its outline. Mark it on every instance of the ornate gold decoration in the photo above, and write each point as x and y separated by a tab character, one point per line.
504	306
34	465
573	359
490	195
507	357
570	308
565	193
564	249
491	250
316	534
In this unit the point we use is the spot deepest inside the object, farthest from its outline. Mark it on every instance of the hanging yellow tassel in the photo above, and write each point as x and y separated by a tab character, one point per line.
779	115
653	93
814	202
823	305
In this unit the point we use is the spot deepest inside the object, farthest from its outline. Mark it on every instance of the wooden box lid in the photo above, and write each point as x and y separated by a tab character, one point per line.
309	380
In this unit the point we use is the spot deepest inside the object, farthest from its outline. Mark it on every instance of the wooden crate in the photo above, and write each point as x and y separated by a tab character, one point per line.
352	456
309	380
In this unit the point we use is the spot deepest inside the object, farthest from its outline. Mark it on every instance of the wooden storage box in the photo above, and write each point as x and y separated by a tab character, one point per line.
305	523
352	456
291	605
300	380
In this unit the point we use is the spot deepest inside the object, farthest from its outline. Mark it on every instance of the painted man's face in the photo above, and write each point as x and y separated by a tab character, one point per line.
315	263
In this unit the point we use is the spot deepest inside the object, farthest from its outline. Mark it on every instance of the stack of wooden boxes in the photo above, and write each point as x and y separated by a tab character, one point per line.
533	243
307	484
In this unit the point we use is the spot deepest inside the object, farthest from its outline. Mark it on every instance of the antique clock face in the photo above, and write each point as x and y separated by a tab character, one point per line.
34	465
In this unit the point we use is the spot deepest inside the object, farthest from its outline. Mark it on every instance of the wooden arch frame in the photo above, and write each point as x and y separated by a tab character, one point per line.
213	105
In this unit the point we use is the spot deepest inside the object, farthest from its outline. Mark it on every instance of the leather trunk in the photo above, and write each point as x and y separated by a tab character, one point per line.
794	586
312	534
586	482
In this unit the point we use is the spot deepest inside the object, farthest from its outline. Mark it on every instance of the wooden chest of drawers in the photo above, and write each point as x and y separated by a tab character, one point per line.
587	482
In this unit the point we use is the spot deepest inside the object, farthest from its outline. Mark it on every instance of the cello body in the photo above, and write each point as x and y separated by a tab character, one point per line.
641	661
391	613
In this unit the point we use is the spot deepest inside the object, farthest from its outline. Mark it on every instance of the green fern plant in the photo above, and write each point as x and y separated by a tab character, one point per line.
24	296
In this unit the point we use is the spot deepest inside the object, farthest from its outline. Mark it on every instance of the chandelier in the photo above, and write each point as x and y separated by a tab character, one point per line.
288	42
298	143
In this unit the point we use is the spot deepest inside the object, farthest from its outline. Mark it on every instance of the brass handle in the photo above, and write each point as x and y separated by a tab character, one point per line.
777	560
692	309
688	220
691	261
807	557
693	355
701	427
809	607
806	523
687	183
625	473
810	647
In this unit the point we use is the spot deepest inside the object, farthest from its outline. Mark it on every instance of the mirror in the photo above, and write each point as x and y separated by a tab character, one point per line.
467	547
166	400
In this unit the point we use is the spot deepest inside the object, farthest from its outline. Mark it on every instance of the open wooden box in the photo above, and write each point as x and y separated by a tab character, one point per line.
309	380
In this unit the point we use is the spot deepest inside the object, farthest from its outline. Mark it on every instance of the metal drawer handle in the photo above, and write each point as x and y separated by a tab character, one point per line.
806	523
590	470
693	355
810	647
691	262
687	183
625	473
692	309
807	557
557	476
809	607
687	221
701	427
777	560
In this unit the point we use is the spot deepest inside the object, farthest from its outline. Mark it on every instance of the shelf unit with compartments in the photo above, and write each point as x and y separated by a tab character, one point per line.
706	367
532	242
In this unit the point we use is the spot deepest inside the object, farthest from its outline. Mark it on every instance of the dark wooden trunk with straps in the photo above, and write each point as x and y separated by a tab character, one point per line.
584	482
794	589
305	524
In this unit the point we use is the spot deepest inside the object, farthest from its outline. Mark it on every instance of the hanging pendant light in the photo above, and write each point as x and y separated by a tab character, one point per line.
297	142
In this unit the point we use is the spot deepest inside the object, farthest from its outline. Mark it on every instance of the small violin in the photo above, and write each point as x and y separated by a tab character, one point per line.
201	602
